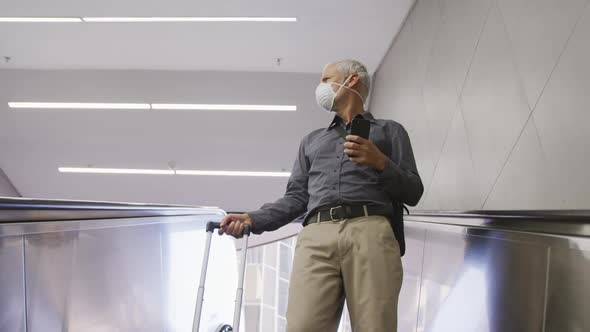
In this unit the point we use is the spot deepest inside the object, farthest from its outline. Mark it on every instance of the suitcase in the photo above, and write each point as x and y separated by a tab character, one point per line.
211	226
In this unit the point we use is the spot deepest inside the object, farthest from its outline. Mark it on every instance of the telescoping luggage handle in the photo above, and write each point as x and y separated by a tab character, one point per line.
211	226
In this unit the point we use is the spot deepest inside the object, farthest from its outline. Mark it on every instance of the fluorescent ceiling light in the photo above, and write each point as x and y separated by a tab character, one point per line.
40	19
145	106
188	19
169	172
135	106
218	107
234	173
115	170
142	19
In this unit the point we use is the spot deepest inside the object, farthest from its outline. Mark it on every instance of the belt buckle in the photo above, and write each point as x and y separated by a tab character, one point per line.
332	213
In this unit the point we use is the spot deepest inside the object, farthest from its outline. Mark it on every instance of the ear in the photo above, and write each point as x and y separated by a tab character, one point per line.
354	80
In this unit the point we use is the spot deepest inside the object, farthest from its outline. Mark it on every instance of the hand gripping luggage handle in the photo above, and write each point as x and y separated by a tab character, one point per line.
211	226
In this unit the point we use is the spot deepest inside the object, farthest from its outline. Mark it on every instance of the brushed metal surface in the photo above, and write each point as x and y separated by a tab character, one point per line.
12	287
24	210
139	277
40	227
564	225
569	286
472	272
479	279
409	298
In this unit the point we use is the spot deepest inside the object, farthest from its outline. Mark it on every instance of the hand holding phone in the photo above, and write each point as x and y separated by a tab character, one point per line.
360	127
362	150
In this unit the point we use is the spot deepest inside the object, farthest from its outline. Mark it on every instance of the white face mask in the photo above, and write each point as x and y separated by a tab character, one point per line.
325	96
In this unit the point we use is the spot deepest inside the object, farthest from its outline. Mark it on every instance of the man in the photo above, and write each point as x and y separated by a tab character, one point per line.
349	189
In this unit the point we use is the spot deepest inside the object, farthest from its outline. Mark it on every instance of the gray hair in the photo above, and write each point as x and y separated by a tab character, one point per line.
349	67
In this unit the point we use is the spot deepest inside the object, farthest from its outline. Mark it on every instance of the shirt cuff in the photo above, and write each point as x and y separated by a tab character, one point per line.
257	218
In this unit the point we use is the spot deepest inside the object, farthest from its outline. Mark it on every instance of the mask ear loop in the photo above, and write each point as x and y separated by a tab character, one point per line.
353	90
340	88
358	94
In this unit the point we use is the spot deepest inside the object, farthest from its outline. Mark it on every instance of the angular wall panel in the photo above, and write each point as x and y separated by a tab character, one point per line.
539	30
496	61
525	180
451	55
397	91
455	183
562	117
425	21
493	102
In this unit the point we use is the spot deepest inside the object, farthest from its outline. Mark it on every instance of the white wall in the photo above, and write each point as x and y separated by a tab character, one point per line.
495	95
6	187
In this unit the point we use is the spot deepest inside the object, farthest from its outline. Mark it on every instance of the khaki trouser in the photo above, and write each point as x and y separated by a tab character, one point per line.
357	259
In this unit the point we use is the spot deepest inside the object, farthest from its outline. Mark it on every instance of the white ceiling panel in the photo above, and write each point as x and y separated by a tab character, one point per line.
325	30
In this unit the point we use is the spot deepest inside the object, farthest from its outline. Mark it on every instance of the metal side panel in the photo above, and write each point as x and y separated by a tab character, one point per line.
478	283
12	287
568	303
409	297
135	278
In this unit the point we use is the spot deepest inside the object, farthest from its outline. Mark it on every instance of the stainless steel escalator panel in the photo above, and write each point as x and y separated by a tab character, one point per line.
568	287
136	278
473	272
12	287
39	227
409	298
481	283
568	302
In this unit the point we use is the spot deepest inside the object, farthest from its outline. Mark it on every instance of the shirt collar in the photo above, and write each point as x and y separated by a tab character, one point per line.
365	115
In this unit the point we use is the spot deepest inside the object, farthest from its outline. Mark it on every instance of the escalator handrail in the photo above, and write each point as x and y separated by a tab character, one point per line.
39	210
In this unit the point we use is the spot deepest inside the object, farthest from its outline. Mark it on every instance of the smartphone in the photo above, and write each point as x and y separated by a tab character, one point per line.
360	127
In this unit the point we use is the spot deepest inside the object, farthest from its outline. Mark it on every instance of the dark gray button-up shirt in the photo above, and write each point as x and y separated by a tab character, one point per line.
324	177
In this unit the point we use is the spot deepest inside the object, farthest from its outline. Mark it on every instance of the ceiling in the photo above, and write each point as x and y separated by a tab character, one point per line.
225	63
34	143
325	30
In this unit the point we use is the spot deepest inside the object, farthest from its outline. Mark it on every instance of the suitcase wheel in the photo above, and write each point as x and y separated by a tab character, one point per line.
224	328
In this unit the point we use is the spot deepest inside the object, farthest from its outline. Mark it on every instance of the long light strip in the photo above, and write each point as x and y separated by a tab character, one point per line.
142	19
221	107
233	173
134	106
115	170
93	170
187	19
145	106
41	19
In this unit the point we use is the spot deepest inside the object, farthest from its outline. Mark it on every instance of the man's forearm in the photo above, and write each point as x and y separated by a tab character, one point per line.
401	185
272	216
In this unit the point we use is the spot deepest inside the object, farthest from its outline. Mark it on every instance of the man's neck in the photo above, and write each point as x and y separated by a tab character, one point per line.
350	110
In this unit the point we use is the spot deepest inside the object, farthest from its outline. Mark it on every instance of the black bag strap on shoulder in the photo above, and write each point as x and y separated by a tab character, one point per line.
397	223
406	208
